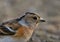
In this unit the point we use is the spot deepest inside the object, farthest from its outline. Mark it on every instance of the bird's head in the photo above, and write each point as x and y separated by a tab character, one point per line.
32	18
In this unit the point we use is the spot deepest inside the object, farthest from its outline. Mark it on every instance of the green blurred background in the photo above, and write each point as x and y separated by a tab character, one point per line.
48	9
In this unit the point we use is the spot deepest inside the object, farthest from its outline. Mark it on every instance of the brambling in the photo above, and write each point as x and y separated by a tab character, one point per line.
20	29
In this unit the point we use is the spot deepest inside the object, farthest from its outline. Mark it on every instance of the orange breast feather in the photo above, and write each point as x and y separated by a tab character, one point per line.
23	32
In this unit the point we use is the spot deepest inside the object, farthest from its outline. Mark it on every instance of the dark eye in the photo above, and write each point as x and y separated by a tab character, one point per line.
35	18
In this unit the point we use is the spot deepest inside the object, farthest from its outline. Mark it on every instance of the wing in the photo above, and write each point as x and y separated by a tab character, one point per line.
9	27
5	30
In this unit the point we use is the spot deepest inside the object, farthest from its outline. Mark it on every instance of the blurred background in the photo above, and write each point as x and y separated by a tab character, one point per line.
48	9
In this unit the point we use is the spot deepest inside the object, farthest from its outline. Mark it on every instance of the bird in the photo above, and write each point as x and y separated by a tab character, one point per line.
20	29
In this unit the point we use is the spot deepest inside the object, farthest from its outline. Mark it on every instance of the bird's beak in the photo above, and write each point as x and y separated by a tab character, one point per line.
42	20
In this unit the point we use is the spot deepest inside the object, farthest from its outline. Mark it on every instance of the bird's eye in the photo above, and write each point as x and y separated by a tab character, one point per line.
35	18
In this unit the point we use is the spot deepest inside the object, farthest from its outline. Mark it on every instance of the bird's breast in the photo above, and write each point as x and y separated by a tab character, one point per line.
24	32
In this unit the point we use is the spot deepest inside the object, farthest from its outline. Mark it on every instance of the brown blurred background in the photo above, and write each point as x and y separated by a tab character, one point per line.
48	9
